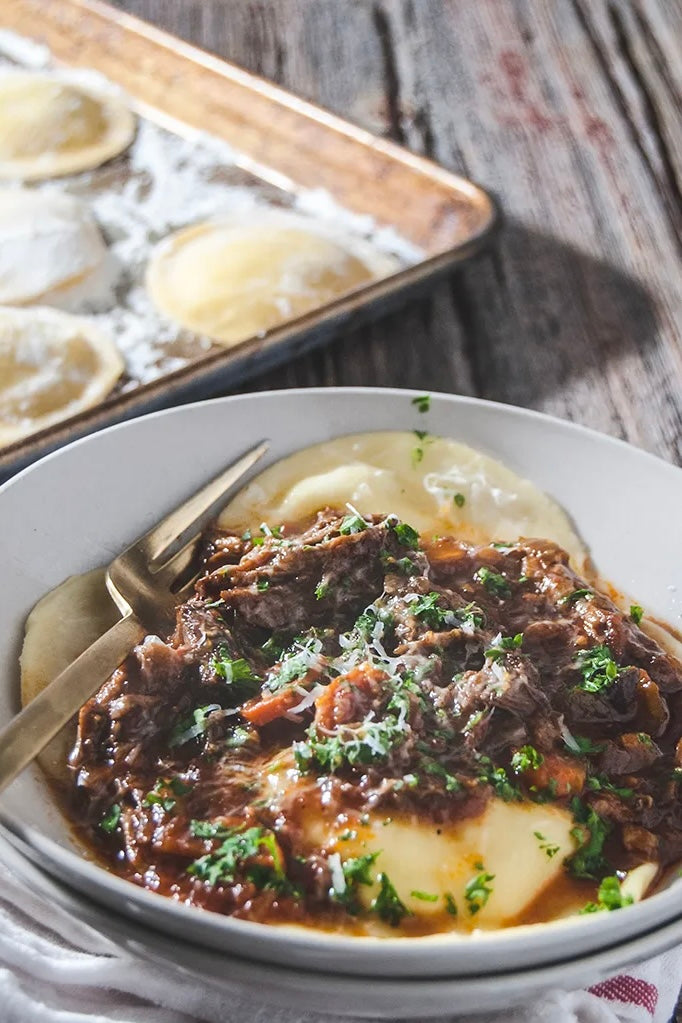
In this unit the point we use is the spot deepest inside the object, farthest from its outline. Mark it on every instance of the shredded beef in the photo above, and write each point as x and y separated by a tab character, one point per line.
412	677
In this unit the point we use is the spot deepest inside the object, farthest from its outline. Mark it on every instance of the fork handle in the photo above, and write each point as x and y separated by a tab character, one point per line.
30	731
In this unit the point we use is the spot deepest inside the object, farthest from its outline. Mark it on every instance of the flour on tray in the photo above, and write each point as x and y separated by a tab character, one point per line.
169	179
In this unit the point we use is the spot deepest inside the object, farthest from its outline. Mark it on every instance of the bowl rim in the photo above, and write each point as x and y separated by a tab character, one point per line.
285	984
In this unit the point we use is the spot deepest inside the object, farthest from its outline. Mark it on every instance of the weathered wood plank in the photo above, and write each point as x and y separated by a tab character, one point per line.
647	95
567	112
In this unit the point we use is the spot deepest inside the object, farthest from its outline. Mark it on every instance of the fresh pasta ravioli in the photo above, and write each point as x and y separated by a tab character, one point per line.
48	242
52	365
52	125
436	484
232	280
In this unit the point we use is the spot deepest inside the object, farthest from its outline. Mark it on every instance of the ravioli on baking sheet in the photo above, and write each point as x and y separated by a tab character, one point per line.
48	243
51	125
235	279
52	366
386	711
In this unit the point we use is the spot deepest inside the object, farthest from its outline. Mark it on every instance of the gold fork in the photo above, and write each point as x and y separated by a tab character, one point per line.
147	581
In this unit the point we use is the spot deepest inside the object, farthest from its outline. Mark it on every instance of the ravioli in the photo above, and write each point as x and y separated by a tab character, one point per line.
431	865
48	242
436	484
52	125
52	366
232	280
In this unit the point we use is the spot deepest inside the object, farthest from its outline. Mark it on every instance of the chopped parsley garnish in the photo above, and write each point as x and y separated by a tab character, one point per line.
159	795
498	778
274	647
240	737
272	531
109	822
473	720
407	536
357	869
192	725
546	846
636	613
155	798
580	744
362	744
388	905
452	784
347	875
426	608
609	897
367	742
470	615
423	896
597	667
526	759
599	783
590	833
404	566
366	623
418	451
571	598
494	583
460	500
450	904
353	523
502	645
179	787
295	664
478	891
322	589
237	848
422	402
262	585
235	672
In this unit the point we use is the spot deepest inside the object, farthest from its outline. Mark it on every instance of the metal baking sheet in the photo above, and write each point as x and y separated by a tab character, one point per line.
228	139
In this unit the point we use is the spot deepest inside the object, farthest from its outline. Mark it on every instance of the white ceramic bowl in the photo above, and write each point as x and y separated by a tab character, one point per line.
285	986
78	507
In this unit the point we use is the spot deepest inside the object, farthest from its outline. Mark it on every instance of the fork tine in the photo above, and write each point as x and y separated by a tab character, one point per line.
187	590
165	538
176	567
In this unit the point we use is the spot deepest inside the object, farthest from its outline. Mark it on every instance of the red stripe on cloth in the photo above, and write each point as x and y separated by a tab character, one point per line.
630	990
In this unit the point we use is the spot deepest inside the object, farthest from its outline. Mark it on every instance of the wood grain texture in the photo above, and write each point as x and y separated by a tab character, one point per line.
569	113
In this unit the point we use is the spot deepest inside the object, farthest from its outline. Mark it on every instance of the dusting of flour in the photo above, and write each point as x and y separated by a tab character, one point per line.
168	180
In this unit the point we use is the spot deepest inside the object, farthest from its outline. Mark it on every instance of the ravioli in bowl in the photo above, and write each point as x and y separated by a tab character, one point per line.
386	710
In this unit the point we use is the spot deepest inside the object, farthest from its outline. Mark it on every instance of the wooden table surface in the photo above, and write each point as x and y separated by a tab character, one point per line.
569	113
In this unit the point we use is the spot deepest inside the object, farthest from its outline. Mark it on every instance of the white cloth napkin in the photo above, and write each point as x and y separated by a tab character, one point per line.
54	969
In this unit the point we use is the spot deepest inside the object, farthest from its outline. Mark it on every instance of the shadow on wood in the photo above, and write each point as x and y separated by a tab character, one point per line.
543	316
533	322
